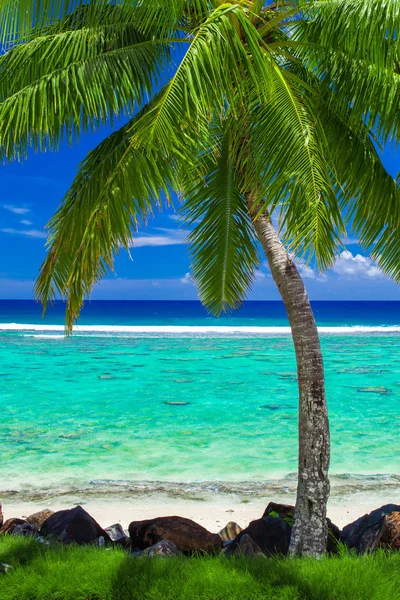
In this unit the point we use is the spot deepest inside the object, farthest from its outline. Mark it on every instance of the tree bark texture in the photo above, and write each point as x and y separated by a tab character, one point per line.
309	535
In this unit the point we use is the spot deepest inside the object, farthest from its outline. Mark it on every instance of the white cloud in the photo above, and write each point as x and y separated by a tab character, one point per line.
305	271
187	279
259	275
351	242
154	240
32	233
26	222
347	266
308	272
351	265
18	210
178	233
179	219
172	237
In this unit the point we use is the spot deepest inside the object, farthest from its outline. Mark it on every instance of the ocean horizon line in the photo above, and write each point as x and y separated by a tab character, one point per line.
180	301
193	329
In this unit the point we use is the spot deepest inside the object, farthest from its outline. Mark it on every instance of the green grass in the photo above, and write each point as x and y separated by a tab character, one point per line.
86	573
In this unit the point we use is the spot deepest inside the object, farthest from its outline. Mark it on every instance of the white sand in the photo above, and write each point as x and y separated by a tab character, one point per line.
212	513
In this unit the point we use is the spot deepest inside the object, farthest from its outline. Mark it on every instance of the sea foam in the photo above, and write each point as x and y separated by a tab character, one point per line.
342	485
177	330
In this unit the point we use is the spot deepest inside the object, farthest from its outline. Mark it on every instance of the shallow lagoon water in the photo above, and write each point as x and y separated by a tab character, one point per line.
128	408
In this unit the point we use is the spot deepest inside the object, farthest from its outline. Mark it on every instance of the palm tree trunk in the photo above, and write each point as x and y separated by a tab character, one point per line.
309	535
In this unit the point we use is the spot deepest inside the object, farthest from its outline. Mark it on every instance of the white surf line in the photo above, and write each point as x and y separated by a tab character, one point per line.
192	329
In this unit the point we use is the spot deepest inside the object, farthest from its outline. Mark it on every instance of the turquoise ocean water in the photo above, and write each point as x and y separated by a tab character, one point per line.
127	409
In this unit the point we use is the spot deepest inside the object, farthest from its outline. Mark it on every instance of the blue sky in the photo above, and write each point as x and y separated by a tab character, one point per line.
159	267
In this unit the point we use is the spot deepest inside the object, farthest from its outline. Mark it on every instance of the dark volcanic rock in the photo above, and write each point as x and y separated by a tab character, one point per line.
38	518
333	537
246	546
272	535
74	525
230	531
101	542
9	525
379	528
284	511
25	529
187	535
51	523
117	535
390	536
165	548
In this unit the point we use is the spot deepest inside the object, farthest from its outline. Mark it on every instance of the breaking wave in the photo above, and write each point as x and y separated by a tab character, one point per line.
178	330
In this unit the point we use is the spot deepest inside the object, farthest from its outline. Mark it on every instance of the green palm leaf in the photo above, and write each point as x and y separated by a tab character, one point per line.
116	189
366	29
222	243
369	197
22	20
371	90
290	165
216	70
355	50
58	85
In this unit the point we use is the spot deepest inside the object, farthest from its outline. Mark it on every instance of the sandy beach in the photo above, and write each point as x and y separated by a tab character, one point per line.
212	513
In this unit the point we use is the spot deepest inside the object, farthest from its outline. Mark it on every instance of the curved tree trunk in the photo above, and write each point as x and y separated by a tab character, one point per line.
309	535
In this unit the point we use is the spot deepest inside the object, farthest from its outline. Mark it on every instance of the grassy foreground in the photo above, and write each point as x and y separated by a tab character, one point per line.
85	573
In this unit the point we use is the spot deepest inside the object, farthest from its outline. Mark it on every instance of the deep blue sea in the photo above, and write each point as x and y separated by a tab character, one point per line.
161	393
120	313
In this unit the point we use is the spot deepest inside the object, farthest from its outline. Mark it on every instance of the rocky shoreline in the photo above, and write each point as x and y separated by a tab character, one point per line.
179	536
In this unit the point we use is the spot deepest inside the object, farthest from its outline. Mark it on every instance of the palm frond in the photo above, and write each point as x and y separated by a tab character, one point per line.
353	46
215	72
222	243
58	85
170	15
369	196
287	158
57	48
372	91
116	188
364	29
22	20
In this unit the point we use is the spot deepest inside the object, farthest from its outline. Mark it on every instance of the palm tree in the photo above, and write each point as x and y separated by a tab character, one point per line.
274	111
